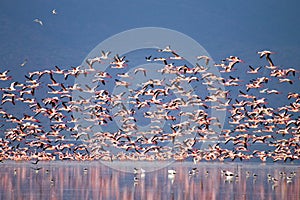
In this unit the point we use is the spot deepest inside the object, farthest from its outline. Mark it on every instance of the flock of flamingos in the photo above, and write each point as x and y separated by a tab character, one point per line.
37	120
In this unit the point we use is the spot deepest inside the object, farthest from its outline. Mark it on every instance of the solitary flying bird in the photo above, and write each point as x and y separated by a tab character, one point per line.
24	63
54	12
38	21
267	55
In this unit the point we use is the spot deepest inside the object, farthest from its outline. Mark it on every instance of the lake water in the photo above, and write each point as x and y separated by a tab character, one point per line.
96	180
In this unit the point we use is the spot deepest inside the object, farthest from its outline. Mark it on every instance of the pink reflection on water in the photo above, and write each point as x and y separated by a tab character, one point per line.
81	180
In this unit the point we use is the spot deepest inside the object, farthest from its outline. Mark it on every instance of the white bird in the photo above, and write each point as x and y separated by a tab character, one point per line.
140	171
171	174
54	12
282	80
194	171
253	70
228	175
11	88
148	58
38	21
24	63
171	171
104	55
267	55
4	74
166	49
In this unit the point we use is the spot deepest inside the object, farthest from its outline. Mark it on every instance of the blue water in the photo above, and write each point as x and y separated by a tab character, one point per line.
94	180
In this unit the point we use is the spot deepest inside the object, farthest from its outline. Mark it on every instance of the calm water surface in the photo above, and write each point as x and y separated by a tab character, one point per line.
94	180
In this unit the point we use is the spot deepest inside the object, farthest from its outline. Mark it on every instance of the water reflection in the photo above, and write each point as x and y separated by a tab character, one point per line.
81	180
